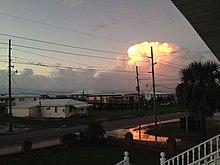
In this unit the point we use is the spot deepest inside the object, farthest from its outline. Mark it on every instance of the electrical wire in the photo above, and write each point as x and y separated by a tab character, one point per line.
17	85
102	68
85	55
63	28
59	44
67	53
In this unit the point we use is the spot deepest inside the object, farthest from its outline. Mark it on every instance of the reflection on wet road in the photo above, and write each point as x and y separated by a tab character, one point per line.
139	132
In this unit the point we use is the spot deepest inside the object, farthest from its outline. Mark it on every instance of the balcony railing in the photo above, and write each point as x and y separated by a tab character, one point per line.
204	153
125	161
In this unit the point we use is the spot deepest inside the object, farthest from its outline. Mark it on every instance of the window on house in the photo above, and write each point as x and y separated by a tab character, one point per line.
71	109
48	108
55	109
21	99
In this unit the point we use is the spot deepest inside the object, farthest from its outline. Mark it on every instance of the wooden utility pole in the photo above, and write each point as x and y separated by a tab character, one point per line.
153	79
9	87
138	87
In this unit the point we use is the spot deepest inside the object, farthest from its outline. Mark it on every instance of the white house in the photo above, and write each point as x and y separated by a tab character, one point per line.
51	108
19	99
149	95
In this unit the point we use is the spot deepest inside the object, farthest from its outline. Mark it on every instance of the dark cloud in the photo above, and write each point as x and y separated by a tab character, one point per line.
102	25
64	80
71	80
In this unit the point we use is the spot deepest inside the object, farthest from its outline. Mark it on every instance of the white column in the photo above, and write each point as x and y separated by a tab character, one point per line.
162	159
126	158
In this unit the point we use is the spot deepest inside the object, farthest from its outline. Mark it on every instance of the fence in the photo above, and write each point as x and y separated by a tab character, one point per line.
10	150
15	149
126	160
205	152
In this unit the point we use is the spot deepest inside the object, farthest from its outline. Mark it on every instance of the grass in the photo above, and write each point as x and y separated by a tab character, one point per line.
115	115
109	155
84	155
93	115
174	130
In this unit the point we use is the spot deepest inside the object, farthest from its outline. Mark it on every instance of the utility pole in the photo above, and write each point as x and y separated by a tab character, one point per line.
9	87
138	87
153	79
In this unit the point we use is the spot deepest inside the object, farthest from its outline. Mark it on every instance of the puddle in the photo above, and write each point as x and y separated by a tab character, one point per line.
139	132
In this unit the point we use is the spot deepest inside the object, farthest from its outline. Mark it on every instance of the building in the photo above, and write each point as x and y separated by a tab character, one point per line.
109	101
204	17
162	98
19	99
51	108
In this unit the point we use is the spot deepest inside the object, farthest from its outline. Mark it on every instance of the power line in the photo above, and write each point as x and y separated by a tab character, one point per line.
103	69
35	90
59	44
167	65
86	71
17	85
80	69
37	54
74	54
63	28
173	63
64	52
4	75
164	75
165	87
103	51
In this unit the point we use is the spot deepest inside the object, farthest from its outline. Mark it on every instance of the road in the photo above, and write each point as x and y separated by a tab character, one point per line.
37	135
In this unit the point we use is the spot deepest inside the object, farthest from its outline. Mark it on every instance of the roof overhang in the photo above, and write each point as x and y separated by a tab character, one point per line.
204	16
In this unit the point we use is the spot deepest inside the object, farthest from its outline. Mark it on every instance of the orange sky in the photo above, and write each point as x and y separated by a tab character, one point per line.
141	52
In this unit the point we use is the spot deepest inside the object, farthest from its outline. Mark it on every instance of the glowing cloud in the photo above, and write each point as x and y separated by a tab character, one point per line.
140	52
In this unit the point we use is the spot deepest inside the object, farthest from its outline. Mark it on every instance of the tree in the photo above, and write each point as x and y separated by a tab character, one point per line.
94	132
197	91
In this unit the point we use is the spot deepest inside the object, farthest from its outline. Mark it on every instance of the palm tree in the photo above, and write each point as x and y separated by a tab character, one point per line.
196	91
94	132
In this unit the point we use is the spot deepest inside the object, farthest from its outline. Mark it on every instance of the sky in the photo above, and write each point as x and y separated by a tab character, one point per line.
72	45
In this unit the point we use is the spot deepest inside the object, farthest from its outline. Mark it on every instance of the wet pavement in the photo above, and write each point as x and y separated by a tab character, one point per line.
7	138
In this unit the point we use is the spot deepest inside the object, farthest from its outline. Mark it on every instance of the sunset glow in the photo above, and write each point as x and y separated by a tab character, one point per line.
140	52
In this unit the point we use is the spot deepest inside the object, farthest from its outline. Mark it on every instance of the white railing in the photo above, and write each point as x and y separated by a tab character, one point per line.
126	159
211	159
206	151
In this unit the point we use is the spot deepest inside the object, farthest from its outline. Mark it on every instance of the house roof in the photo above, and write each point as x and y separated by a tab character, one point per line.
19	96
204	16
159	93
87	92
53	103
